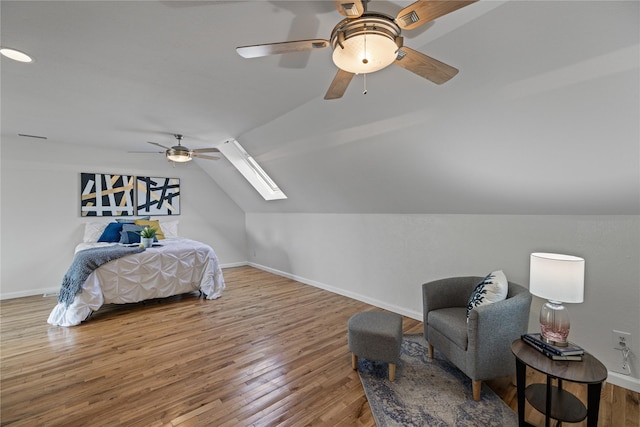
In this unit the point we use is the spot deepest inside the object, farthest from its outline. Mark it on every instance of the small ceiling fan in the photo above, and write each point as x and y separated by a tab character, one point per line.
179	153
365	42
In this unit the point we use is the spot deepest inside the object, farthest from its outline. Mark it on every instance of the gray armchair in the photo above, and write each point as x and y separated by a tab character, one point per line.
480	348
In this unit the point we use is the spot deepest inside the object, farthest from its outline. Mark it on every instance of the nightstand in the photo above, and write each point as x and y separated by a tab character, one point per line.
551	400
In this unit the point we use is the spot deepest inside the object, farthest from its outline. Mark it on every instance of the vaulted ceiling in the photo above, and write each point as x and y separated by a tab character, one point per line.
541	119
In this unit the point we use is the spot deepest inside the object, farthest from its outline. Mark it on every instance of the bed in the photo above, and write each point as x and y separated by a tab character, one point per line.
172	266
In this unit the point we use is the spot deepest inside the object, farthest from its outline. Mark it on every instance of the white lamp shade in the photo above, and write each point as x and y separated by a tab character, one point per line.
557	277
365	53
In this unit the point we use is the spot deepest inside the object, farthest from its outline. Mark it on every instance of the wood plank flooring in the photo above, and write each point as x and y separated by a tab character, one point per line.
271	351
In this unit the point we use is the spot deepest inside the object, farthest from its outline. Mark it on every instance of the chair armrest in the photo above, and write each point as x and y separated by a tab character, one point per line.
493	327
449	292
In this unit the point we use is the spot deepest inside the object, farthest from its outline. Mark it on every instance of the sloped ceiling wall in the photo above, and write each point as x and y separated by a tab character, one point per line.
541	119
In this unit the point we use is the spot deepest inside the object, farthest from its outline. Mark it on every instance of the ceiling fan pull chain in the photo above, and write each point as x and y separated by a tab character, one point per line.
364	59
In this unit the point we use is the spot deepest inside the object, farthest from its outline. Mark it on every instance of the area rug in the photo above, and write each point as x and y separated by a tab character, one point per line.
428	392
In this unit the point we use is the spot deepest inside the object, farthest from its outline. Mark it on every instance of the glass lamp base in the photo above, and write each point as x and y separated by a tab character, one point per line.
554	323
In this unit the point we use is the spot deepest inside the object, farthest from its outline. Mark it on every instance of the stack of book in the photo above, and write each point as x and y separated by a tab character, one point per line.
571	352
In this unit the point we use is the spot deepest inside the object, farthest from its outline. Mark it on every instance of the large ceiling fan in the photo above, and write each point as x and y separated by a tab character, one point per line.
365	42
180	153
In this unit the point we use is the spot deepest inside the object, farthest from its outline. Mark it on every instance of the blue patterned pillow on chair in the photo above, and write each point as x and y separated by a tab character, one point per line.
491	289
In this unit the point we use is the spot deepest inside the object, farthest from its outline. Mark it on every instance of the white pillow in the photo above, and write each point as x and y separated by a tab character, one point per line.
169	229
492	288
93	231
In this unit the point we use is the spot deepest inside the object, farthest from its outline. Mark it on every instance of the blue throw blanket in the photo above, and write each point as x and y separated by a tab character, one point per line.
83	265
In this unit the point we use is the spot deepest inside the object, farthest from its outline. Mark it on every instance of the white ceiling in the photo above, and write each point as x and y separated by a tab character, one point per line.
541	119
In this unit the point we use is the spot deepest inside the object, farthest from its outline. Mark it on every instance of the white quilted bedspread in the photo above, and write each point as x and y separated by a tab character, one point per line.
177	266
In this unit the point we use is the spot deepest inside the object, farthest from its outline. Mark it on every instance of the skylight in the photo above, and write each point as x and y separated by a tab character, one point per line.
251	170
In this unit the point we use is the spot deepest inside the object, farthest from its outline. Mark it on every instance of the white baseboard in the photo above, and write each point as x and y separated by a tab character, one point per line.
47	292
381	304
624	381
234	264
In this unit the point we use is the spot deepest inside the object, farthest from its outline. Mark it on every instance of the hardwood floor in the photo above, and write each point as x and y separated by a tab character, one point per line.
271	351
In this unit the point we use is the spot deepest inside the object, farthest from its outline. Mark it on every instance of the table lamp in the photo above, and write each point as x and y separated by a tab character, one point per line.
559	279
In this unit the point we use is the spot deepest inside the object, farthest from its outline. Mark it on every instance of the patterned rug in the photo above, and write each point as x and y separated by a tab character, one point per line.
428	392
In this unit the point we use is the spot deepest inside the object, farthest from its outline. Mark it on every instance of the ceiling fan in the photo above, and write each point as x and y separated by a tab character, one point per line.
180	153
365	42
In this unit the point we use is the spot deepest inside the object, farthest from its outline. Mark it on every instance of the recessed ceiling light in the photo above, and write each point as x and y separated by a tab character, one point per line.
16	55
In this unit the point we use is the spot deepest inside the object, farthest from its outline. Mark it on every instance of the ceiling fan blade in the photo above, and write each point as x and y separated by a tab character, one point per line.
424	11
259	50
350	9
205	150
425	66
159	145
203	156
339	84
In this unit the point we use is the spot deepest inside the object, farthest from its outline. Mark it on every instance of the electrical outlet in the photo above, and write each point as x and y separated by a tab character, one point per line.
621	340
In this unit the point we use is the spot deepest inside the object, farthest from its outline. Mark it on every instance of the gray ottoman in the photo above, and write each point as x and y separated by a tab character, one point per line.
377	336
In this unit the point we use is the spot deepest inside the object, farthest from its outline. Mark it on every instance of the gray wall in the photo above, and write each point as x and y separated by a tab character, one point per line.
384	258
41	222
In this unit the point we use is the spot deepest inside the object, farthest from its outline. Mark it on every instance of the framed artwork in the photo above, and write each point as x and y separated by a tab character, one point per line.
106	195
158	196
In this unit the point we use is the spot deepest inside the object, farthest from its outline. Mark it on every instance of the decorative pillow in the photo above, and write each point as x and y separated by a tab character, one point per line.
93	231
169	229
151	223
128	237
111	233
131	234
492	288
130	219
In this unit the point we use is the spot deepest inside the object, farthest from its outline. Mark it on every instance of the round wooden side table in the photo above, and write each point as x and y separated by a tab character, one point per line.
553	401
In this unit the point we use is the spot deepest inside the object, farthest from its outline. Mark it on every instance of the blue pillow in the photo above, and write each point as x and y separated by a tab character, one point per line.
111	233
131	234
130	220
125	220
127	237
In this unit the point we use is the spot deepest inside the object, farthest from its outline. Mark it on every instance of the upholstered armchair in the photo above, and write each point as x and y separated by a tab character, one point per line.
481	347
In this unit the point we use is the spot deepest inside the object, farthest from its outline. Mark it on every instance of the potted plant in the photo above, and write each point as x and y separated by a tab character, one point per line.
147	236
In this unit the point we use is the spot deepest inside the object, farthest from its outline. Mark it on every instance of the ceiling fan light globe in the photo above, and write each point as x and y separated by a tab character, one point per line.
180	158
380	52
178	154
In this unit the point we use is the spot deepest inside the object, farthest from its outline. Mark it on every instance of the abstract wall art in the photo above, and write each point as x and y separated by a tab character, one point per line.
158	196
106	195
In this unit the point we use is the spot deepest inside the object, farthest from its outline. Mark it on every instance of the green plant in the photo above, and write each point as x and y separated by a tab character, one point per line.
148	233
